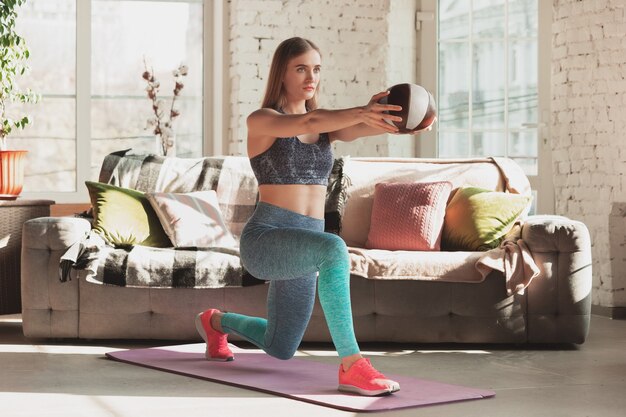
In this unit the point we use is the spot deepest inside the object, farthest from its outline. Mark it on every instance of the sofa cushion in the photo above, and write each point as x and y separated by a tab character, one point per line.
408	216
124	217
192	219
478	219
362	174
380	264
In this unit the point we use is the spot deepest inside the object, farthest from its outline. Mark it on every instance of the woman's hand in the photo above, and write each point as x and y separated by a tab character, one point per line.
374	115
426	129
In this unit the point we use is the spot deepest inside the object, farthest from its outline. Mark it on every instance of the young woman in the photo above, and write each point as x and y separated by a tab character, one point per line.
289	145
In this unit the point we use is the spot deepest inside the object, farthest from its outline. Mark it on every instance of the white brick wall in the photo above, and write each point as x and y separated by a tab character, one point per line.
367	46
589	132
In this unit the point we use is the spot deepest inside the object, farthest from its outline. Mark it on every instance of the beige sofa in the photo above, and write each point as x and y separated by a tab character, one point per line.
443	299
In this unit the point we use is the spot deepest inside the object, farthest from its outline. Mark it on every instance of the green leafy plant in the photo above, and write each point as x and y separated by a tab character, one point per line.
13	57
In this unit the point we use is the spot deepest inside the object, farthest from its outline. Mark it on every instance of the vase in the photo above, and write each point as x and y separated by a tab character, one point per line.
11	174
158	146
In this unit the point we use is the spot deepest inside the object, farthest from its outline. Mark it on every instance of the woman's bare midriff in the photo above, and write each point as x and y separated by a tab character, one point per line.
306	199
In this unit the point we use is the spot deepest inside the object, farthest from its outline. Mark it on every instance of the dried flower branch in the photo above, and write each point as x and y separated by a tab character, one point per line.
161	125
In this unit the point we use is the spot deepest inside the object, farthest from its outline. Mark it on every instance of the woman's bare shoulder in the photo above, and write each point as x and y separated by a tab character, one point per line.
262	113
258	140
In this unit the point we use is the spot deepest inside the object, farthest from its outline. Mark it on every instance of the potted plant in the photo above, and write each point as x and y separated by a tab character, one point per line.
13	57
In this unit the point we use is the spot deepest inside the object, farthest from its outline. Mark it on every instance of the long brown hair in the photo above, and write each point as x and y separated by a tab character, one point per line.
274	93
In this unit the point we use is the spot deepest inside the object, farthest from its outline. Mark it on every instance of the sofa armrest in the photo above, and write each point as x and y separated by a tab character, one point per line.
48	305
559	299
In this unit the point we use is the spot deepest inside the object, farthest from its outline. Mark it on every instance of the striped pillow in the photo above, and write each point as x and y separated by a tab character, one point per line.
192	219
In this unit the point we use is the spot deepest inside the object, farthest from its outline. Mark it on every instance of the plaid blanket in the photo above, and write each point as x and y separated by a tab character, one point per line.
143	266
230	176
336	196
237	192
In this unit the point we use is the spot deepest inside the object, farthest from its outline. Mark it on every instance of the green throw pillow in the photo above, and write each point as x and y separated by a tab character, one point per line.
478	219
124	217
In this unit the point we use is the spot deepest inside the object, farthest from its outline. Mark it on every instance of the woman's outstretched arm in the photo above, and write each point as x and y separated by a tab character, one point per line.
269	122
362	130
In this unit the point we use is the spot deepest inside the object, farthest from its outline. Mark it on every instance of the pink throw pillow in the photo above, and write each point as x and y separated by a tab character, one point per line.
408	216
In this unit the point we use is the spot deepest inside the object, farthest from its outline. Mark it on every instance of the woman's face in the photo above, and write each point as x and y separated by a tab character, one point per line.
302	76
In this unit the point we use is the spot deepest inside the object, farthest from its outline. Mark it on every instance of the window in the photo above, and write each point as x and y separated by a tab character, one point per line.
491	72
495	41
123	33
49	28
87	60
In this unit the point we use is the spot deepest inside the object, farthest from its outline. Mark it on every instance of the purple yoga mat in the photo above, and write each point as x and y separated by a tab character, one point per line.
299	379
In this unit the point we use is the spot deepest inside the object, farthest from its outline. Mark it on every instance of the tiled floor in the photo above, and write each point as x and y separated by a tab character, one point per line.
42	378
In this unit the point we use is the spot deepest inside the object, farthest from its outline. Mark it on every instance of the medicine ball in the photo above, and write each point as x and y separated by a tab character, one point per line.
418	106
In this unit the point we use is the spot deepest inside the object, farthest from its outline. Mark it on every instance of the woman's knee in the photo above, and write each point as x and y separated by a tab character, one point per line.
335	251
283	350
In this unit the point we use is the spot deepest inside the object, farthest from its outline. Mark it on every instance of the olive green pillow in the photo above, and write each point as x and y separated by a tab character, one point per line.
124	217
478	219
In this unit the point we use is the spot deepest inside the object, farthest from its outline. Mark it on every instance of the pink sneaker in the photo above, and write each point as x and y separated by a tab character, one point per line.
363	379
216	343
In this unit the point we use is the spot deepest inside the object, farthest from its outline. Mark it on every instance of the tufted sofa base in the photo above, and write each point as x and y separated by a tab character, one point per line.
391	311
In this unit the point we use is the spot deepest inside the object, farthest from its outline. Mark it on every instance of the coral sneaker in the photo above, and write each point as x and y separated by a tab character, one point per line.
216	343
363	379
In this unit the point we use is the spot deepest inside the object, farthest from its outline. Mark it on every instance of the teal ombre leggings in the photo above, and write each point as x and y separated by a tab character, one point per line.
288	249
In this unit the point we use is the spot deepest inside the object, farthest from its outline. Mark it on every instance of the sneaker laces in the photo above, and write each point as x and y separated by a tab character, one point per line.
370	372
366	370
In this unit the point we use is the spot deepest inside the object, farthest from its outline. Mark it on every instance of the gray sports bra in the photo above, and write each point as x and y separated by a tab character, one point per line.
289	161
